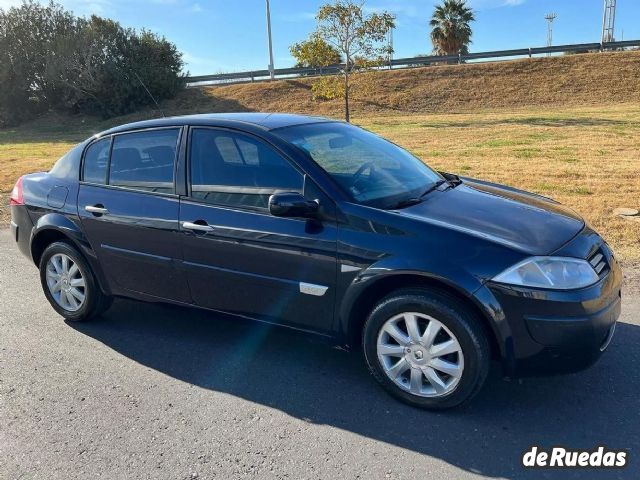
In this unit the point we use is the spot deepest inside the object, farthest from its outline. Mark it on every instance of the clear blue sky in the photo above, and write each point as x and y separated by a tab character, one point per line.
230	35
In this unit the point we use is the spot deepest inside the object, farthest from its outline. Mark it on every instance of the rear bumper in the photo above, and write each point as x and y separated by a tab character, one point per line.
21	227
559	331
14	230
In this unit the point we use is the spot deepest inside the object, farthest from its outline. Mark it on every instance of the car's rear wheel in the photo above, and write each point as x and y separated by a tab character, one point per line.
69	284
426	349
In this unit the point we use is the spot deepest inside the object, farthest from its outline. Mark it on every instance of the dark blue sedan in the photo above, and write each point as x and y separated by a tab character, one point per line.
324	227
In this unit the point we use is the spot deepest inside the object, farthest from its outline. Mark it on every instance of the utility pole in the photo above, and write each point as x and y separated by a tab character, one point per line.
609	21
550	17
271	73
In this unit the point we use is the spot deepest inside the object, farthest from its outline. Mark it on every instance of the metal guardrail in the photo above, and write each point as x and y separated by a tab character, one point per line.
259	75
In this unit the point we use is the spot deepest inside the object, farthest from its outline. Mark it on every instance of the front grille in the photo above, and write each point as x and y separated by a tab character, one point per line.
599	263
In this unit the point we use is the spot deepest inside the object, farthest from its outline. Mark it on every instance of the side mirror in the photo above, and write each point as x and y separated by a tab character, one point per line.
292	205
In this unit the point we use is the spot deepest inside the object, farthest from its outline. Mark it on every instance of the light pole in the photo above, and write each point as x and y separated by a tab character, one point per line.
550	17
271	73
609	21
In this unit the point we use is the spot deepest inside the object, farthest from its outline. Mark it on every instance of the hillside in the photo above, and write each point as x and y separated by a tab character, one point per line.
567	80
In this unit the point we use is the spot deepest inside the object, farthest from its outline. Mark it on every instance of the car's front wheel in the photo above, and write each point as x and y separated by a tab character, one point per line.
69	283
425	349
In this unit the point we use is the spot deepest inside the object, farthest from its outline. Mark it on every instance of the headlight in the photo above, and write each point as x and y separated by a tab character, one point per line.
561	273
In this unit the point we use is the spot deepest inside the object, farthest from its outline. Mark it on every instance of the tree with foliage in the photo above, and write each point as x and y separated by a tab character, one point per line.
315	52
358	37
26	34
51	60
450	28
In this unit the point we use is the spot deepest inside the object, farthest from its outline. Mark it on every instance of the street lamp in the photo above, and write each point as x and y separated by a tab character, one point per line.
271	73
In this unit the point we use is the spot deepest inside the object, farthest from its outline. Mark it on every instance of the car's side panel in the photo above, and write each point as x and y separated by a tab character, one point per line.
376	246
137	241
133	229
261	266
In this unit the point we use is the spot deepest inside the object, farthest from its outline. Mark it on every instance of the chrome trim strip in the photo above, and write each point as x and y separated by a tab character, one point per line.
349	268
312	289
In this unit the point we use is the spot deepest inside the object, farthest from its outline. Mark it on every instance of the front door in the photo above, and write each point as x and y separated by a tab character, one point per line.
129	211
238	257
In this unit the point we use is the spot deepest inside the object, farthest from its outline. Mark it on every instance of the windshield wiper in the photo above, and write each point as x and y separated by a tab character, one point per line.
407	202
453	179
432	188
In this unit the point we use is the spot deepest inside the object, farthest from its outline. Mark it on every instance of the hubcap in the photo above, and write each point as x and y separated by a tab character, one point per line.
420	354
65	282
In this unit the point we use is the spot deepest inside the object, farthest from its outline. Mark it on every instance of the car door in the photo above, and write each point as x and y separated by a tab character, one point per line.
238	257
129	212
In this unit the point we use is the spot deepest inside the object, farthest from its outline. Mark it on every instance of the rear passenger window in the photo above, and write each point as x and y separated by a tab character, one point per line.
238	170
144	160
96	160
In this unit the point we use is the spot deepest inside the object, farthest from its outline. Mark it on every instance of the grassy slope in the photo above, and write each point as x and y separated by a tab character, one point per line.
564	127
573	80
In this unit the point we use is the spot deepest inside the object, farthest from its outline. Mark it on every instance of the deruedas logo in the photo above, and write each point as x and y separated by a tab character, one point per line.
560	457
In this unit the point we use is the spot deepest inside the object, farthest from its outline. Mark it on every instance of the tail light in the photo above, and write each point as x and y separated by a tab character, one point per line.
16	194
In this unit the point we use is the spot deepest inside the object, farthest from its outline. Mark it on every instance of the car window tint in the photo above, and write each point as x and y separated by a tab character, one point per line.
346	157
238	170
144	160
96	160
249	152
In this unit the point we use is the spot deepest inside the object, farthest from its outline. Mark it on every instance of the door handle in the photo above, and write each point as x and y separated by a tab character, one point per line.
197	227
96	210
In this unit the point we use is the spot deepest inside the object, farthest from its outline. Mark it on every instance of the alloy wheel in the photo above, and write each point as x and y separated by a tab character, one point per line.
420	354
65	282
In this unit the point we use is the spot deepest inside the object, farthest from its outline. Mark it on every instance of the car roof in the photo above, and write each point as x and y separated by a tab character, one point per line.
265	121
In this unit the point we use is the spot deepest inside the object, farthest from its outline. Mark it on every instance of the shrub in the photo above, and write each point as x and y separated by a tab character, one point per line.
51	60
327	88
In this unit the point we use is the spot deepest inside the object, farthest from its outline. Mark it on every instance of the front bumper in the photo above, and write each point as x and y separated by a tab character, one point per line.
558	331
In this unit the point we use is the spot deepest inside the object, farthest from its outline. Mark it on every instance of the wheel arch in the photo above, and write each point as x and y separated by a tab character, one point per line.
55	227
354	313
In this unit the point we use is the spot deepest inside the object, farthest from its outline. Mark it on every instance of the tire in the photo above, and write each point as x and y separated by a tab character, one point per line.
80	280
457	329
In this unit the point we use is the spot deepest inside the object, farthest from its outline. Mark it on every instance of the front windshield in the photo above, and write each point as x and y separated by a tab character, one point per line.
372	170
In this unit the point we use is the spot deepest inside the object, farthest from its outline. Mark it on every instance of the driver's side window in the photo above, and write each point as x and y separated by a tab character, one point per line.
227	168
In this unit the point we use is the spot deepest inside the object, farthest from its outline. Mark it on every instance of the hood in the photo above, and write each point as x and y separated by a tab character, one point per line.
524	221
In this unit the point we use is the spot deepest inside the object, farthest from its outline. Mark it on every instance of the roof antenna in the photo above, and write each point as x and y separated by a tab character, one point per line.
147	90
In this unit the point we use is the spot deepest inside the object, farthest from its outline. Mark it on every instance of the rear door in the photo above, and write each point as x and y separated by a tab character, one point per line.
129	211
238	257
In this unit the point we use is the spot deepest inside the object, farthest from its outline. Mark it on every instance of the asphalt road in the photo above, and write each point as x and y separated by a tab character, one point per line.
151	391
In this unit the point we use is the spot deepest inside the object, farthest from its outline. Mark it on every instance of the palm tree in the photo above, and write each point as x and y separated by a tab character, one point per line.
450	29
